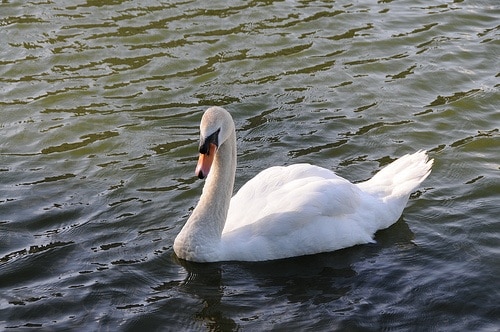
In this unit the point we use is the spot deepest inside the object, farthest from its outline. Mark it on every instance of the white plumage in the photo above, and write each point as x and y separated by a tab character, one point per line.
287	211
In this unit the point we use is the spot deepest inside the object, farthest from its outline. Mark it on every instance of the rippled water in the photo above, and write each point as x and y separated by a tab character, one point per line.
99	108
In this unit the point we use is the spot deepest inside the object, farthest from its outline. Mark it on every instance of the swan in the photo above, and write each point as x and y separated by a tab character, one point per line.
286	211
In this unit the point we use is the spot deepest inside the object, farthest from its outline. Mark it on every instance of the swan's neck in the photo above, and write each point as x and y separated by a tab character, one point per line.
200	236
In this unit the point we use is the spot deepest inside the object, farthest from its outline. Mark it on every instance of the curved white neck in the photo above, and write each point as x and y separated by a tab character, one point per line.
201	234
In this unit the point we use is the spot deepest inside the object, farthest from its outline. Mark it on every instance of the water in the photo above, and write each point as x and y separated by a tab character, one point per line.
99	108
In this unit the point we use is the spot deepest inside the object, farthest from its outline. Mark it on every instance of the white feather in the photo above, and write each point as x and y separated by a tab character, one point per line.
295	210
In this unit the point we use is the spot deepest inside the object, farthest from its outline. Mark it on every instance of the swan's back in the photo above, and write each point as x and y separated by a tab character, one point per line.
304	209
280	189
292	211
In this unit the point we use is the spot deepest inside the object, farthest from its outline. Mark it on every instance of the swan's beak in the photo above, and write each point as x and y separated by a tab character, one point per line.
208	148
205	161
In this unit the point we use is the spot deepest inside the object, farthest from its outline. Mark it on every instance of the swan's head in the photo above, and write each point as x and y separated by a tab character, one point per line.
215	128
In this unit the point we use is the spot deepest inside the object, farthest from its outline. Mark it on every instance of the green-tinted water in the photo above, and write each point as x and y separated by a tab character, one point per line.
99	108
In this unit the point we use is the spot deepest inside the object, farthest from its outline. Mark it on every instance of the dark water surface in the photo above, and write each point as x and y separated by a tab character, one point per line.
99	108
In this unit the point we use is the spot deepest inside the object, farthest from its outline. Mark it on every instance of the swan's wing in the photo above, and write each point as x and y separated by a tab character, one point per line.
303	189
304	216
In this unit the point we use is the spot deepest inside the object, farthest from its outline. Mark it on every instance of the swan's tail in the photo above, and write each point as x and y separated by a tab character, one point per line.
399	178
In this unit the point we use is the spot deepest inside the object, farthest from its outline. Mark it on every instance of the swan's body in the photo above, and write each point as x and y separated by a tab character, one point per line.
287	211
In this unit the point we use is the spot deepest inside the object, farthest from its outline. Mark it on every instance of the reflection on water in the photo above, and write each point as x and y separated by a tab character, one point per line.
99	109
306	281
272	294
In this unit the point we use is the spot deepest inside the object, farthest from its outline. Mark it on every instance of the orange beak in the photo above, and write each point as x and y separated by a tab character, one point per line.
205	161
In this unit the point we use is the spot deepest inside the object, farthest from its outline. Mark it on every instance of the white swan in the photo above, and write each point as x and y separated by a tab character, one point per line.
286	211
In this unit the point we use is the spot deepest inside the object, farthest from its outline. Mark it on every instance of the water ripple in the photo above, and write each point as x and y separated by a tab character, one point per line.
100	108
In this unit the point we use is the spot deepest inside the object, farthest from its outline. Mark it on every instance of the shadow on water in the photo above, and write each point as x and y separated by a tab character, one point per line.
228	296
